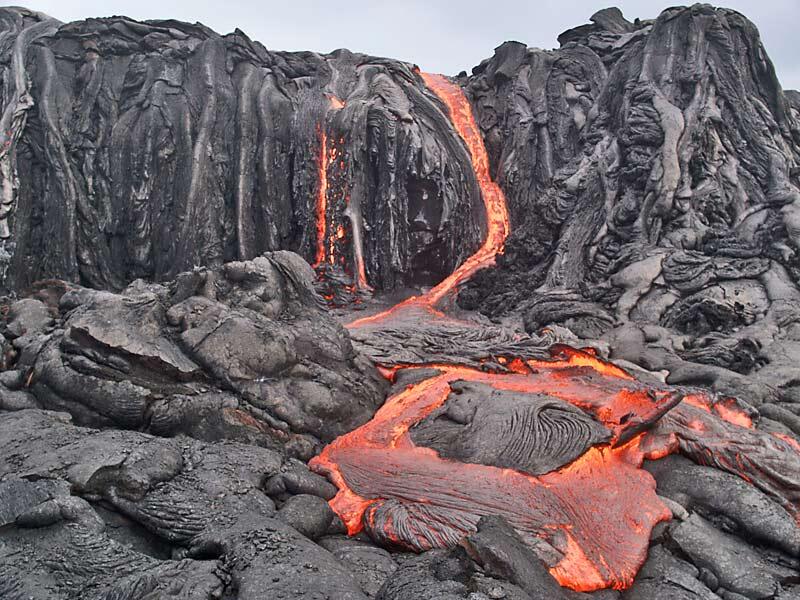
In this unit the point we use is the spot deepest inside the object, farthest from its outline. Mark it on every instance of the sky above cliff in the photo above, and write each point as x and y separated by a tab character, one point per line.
439	36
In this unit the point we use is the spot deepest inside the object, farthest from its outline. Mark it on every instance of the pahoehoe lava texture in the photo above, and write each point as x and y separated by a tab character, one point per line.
243	352
610	411
144	149
533	433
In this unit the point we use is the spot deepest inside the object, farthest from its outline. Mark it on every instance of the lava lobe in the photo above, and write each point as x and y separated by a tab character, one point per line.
553	444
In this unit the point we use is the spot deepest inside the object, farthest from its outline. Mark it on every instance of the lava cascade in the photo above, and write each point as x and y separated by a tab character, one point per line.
596	512
322	200
497	221
331	234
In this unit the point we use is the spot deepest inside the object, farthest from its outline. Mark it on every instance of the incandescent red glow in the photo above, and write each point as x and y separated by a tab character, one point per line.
789	440
728	410
497	221
596	512
336	103
328	154
332	172
580	358
322	198
591	505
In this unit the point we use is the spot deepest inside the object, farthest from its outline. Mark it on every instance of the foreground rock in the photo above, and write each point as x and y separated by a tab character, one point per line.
197	524
242	353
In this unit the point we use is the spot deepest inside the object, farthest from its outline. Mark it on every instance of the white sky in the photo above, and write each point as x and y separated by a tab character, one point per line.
439	36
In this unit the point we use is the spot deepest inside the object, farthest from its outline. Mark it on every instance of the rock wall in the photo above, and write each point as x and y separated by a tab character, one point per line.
638	149
652	171
145	149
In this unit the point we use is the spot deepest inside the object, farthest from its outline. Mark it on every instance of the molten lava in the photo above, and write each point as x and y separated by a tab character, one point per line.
322	198
497	222
598	511
589	518
331	234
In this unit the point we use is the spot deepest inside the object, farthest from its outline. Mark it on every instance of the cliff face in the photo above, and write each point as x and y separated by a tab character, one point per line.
648	151
144	149
642	160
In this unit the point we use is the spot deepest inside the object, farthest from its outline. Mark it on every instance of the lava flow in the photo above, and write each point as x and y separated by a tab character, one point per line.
322	198
597	511
332	235
497	222
590	516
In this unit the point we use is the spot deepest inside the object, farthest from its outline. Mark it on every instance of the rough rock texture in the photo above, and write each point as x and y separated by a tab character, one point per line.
532	433
203	525
651	171
143	149
242	352
167	366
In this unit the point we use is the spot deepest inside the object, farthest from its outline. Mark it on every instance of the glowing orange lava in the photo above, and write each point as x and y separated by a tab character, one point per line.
328	154
497	222
590	505
322	198
596	512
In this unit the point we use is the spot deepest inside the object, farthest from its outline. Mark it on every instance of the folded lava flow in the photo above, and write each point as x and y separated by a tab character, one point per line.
467	443
555	445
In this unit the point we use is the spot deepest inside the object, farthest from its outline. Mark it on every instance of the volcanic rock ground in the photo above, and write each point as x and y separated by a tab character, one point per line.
291	325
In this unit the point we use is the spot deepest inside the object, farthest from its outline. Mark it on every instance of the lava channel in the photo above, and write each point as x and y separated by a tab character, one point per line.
595	514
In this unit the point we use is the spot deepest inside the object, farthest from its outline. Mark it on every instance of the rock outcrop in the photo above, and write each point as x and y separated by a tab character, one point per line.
245	352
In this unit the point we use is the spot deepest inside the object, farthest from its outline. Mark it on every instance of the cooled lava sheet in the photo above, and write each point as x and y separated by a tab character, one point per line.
532	433
419	334
589	518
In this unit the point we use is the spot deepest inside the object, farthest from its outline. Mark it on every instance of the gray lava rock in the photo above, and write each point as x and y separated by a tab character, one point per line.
718	493
370	565
202	500
503	554
310	515
665	576
260	362
738	567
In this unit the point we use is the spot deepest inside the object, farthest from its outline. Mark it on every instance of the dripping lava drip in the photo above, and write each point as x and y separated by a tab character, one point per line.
595	513
340	282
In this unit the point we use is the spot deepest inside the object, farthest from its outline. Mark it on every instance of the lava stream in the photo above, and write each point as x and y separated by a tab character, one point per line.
597	511
594	513
322	198
497	222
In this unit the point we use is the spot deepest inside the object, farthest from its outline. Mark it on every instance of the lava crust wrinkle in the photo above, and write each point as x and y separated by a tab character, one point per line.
554	445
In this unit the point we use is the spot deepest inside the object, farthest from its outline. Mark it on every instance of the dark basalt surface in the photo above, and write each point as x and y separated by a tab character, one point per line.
532	433
167	367
144	149
245	352
652	180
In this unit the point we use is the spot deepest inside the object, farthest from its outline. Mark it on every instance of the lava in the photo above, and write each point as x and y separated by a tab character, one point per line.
597	511
586	509
497	221
593	514
322	197
331	235
329	152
